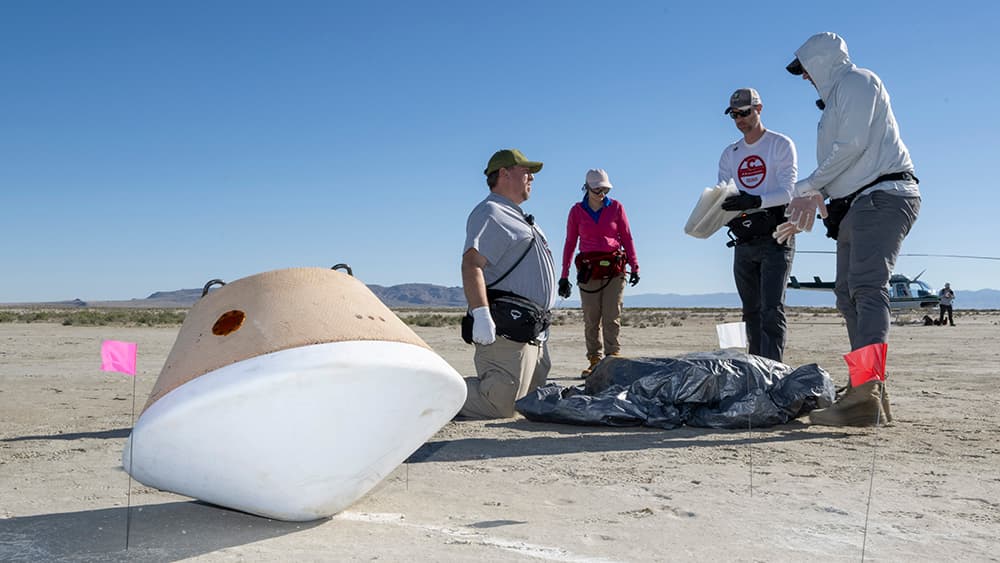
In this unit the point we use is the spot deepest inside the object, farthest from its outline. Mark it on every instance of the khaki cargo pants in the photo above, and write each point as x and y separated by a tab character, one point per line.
602	312
507	371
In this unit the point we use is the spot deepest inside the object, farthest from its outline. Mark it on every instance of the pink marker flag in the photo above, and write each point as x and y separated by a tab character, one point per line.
118	356
867	363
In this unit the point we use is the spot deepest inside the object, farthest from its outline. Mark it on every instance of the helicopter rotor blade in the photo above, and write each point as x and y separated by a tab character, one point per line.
965	256
955	256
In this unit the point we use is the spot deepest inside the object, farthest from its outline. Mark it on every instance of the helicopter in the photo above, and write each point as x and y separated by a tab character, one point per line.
904	292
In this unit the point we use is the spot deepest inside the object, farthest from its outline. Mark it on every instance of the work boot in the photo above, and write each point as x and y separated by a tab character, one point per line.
860	406
885	402
594	360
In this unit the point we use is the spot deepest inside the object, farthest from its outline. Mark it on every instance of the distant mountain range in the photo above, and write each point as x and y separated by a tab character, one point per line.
429	295
397	296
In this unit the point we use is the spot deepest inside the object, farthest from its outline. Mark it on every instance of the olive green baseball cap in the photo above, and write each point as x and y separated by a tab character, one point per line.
506	158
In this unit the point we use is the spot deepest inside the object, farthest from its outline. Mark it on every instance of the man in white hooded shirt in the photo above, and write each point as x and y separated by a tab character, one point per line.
866	171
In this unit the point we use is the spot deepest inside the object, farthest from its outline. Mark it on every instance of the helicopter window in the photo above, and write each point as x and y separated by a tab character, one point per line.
902	290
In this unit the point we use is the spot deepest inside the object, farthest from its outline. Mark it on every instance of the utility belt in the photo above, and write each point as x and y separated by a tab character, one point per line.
751	227
837	209
517	318
599	265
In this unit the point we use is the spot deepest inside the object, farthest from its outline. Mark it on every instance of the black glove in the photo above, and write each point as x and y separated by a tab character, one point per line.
741	201
633	278
564	287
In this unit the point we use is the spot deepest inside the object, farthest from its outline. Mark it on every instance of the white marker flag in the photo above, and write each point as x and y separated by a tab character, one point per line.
732	335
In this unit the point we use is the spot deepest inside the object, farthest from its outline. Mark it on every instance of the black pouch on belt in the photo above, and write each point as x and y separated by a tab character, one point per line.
837	209
517	318
746	227
467	322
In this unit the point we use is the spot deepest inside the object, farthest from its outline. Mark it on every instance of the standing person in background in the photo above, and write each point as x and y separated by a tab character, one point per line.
505	254
601	226
866	171
947	298
763	166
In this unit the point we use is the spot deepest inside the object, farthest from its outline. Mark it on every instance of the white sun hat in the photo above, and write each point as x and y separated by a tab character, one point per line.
598	178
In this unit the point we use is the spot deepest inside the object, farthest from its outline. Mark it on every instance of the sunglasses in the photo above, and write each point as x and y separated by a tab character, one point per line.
736	114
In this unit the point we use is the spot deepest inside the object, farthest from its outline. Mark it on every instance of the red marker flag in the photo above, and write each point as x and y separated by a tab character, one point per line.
118	356
867	363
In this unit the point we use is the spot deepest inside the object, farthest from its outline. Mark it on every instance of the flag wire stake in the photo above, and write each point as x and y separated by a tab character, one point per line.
750	449
128	504
871	477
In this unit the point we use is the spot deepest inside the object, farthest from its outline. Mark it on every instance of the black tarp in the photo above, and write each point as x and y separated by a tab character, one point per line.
721	389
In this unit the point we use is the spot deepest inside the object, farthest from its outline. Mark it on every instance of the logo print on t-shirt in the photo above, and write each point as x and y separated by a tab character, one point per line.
751	172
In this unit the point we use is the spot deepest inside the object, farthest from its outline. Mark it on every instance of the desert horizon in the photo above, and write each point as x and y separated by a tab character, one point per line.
425	295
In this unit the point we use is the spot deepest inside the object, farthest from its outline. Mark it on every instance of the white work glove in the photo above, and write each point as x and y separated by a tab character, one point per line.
784	232
484	330
801	211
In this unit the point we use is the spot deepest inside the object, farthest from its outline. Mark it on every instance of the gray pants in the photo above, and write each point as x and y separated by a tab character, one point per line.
761	270
506	371
871	235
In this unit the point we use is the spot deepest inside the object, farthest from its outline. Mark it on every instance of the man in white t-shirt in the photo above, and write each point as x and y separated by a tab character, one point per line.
763	166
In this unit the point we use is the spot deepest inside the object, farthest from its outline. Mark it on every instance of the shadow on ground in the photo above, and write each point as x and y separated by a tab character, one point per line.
576	439
157	532
99	435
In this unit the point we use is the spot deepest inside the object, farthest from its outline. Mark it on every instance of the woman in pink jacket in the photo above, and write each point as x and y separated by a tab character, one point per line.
600	224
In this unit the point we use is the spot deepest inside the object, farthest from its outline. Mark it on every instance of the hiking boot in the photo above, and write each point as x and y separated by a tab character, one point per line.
885	402
860	406
594	360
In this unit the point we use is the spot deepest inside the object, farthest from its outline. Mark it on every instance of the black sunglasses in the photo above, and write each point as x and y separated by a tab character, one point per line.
735	114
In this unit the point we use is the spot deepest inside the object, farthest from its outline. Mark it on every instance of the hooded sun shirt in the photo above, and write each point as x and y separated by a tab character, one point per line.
858	138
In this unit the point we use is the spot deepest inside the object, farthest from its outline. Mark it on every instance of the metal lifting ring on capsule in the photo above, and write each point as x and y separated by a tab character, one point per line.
343	266
209	285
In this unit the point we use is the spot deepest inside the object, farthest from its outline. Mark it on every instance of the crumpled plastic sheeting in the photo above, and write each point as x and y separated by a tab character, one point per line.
721	389
708	216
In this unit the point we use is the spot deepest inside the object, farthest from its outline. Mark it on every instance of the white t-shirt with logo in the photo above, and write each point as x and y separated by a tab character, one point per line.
767	168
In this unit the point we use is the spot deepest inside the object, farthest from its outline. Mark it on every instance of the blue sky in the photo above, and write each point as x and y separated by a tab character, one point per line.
149	146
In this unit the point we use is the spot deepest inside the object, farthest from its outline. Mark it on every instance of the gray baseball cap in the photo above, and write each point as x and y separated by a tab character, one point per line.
743	99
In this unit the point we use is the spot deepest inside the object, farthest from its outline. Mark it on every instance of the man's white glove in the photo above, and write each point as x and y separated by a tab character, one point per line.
784	232
801	211
484	330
